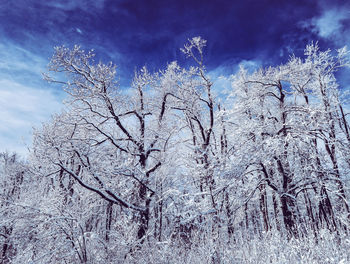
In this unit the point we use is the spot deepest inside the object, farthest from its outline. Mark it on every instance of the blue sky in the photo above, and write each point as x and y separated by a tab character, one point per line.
147	32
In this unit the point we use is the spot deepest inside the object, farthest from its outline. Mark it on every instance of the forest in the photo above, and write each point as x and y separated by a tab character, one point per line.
172	171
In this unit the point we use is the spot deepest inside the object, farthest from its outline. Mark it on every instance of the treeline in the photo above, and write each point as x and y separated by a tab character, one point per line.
172	169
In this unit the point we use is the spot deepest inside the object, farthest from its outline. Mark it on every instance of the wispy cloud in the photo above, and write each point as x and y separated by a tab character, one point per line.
25	99
69	5
19	63
21	108
79	30
330	24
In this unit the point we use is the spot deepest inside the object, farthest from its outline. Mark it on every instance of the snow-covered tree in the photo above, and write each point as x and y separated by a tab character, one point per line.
162	172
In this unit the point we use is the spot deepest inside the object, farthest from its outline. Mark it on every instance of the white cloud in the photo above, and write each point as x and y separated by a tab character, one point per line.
19	64
250	65
23	101
21	108
221	76
329	24
221	80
